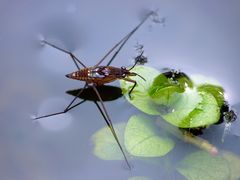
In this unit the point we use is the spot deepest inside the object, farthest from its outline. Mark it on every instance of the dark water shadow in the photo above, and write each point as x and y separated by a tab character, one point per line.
107	93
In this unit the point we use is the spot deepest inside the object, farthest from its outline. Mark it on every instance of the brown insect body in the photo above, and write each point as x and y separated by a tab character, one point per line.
100	75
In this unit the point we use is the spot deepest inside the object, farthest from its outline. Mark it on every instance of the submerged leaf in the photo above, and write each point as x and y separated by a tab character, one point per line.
140	98
203	166
233	163
138	178
142	139
105	146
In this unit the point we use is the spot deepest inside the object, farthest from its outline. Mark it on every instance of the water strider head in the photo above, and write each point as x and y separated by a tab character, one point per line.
126	72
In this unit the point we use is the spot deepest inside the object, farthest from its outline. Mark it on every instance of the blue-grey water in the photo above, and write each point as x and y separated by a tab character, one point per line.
198	37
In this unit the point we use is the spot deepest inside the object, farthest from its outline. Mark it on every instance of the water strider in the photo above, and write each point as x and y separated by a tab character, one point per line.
98	75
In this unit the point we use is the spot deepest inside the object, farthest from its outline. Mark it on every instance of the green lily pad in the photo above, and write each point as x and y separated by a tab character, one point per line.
105	146
169	80
140	98
183	104
203	166
161	81
216	91
175	99
163	90
192	111
184	81
142	139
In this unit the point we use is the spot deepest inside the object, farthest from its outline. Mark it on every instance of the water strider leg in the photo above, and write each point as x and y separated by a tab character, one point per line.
74	58
132	81
135	62
69	107
109	123
122	42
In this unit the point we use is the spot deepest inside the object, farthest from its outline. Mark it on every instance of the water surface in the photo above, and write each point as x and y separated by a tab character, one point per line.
198	38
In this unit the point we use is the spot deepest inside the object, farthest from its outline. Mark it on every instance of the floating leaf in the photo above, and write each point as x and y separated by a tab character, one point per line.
105	146
173	96
216	91
182	106
192	113
161	81
185	81
171	78
203	166
142	139
206	113
163	89
140	98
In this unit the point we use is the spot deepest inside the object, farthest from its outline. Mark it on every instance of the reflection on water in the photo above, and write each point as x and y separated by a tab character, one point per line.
197	38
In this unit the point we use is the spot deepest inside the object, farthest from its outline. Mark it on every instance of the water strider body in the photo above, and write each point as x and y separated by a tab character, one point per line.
99	75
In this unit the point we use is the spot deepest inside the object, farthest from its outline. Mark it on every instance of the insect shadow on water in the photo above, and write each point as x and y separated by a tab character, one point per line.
107	93
98	75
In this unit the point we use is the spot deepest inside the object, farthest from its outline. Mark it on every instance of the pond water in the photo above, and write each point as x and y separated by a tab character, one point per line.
198	37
